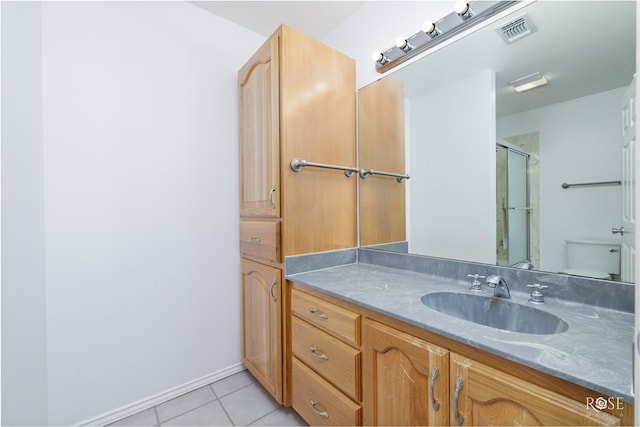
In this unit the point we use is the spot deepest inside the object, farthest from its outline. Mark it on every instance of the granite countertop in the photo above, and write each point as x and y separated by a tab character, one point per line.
595	352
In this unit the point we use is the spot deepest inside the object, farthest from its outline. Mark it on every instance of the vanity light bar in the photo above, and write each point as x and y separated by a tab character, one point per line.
465	15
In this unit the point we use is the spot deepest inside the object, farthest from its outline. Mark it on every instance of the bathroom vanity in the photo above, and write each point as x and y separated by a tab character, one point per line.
366	350
382	337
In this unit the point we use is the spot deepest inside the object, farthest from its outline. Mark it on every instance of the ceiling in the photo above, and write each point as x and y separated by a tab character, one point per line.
314	18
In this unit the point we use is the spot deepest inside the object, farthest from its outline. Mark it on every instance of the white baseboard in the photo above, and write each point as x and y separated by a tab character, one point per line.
156	399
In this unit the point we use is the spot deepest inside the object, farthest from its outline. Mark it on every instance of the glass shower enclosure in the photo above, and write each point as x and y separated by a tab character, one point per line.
513	205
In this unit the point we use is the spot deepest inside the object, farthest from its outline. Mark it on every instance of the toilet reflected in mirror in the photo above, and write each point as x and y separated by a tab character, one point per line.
590	258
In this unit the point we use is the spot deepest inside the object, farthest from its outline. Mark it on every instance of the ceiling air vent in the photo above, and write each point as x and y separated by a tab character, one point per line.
516	29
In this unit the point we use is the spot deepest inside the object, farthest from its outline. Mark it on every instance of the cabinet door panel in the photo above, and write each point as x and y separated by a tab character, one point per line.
488	396
259	133
400	385
261	325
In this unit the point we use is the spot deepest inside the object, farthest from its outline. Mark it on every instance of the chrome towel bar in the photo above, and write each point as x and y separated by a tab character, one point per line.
398	176
590	184
298	164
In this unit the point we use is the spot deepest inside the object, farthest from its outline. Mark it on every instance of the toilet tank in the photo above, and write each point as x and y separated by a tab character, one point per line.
594	255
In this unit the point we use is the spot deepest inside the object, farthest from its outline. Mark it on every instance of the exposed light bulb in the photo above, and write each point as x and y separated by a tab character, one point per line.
379	57
428	27
461	7
401	42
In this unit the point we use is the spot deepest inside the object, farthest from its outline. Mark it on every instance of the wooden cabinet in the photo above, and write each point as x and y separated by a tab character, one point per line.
482	395
261	324
326	360
405	379
296	100
258	90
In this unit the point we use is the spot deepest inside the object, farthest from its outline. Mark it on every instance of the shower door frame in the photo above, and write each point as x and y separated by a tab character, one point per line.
527	156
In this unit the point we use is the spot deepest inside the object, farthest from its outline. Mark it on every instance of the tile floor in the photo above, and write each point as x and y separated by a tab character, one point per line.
237	400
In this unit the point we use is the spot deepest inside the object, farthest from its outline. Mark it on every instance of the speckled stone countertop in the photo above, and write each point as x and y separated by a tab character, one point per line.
595	351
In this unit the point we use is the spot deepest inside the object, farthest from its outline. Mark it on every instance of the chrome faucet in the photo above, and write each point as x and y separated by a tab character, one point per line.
525	265
499	285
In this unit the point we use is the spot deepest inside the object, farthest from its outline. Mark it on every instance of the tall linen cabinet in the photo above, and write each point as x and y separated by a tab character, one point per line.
296	100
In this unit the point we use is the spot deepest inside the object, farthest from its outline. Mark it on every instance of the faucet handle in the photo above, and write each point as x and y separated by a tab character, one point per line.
537	297
476	285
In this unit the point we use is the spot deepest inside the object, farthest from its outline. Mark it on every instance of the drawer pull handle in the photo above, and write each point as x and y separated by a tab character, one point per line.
459	384
256	239
313	404
273	190
314	312
273	287
318	355
434	375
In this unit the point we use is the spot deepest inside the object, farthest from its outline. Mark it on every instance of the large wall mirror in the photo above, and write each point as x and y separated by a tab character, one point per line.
531	179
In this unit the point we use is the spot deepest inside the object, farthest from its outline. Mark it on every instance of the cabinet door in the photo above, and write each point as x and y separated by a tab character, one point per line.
259	133
482	395
261	324
405	379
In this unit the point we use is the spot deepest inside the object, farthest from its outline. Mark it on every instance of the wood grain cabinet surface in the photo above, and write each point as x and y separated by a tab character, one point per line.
296	100
405	379
261	324
326	374
482	395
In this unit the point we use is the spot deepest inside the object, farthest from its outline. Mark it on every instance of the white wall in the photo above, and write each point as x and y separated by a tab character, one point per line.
140	196
579	142
452	163
24	352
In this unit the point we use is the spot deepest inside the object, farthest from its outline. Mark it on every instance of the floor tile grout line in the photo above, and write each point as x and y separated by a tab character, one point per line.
227	413
190	410
238	389
216	398
205	403
259	418
214	392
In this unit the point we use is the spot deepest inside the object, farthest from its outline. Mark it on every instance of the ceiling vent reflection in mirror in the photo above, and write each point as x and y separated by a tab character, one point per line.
464	16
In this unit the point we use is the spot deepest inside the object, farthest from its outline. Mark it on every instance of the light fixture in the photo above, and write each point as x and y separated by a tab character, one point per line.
403	44
465	15
463	9
430	28
528	82
379	57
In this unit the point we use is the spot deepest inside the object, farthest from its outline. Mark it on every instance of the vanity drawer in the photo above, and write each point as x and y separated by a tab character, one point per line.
334	360
336	320
260	239
320	403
